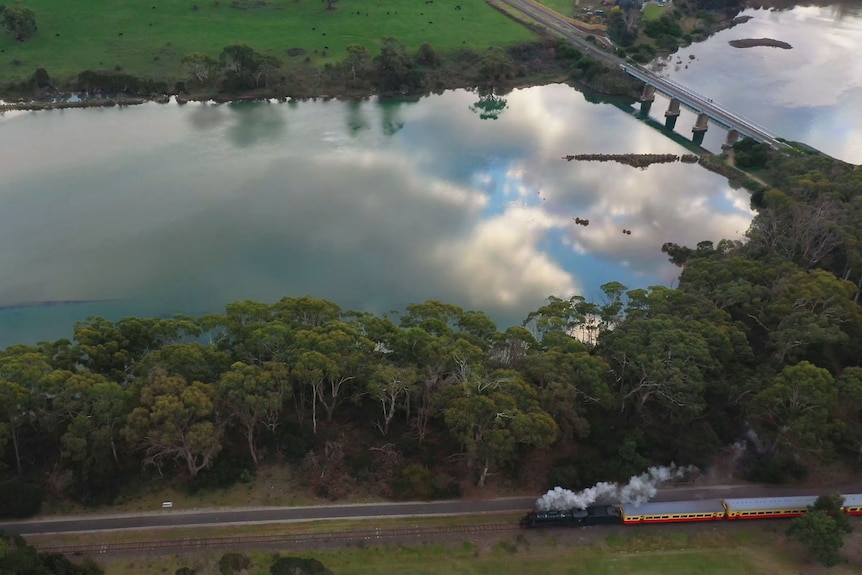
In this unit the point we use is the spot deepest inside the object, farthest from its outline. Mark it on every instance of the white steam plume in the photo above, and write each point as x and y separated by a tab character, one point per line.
640	489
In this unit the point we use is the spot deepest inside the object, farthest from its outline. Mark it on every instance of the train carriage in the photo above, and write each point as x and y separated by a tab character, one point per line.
768	507
673	512
853	504
684	511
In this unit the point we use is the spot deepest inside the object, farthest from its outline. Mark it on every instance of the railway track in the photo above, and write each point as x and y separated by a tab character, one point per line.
186	544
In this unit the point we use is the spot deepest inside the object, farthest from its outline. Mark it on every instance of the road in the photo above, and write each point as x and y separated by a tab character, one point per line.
554	22
213	518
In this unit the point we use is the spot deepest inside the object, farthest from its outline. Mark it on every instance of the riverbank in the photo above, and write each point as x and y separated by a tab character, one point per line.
496	71
304	72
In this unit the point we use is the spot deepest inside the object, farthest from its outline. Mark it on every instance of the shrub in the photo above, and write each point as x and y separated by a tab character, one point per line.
427	56
298	566
231	563
41	79
19	499
415	482
771	468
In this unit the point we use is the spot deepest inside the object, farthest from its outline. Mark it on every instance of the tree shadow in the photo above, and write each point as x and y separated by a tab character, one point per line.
256	123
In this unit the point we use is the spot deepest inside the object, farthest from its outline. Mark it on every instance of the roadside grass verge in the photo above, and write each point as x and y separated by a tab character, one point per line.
564	7
751	551
149	38
653	11
295	528
273	486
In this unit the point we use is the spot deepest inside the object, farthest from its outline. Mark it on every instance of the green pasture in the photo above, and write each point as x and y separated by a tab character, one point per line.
150	37
468	560
564	7
746	550
653	11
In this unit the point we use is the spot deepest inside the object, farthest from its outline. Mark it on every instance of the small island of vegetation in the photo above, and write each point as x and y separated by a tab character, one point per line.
754	42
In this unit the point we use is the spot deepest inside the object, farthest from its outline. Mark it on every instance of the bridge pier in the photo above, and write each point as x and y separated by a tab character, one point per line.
702	123
732	138
648	94
697	138
670	122
643	112
672	108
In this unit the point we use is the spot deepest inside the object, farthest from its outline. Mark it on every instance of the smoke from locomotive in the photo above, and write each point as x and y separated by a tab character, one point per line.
640	489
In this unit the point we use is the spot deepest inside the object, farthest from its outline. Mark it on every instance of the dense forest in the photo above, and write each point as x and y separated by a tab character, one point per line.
760	340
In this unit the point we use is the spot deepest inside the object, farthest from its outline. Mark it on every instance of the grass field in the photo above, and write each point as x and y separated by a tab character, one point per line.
333	526
653	11
150	37
564	7
750	551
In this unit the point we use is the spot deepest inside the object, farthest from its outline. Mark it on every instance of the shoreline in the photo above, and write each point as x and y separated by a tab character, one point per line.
64	101
606	84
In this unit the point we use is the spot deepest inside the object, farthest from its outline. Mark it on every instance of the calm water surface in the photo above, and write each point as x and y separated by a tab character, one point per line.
160	209
811	93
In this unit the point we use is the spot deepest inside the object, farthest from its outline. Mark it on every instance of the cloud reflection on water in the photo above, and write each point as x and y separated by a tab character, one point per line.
329	199
811	93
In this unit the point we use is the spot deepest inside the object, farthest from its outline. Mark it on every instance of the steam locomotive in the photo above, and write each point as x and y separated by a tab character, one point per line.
684	511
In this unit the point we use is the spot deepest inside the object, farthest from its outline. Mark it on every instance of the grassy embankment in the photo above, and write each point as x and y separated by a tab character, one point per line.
271	529
148	38
744	549
653	11
564	7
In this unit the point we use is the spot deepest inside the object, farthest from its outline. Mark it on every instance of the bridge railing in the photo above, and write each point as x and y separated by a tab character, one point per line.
647	76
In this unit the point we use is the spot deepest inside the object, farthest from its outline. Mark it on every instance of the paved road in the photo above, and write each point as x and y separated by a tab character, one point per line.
179	518
561	26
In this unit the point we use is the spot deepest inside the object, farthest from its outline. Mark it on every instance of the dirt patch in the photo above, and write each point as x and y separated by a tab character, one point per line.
753	42
294	52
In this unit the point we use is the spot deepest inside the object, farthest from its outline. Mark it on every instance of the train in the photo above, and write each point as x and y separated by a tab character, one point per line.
684	511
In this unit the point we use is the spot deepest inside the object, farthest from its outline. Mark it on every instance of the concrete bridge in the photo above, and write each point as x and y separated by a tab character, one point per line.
602	49
704	107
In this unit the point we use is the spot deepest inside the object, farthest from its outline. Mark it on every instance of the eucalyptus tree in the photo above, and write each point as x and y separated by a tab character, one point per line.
14	416
569	380
848	413
176	420
192	361
25	402
511	347
114	348
392	388
306	312
332	360
254	397
577	317
809	310
201	66
794	413
492	416
93	412
439	358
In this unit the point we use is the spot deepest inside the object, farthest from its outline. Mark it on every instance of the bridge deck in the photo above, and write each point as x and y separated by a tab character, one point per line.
703	105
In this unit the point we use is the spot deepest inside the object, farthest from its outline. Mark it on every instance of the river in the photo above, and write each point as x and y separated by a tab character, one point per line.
810	93
161	209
